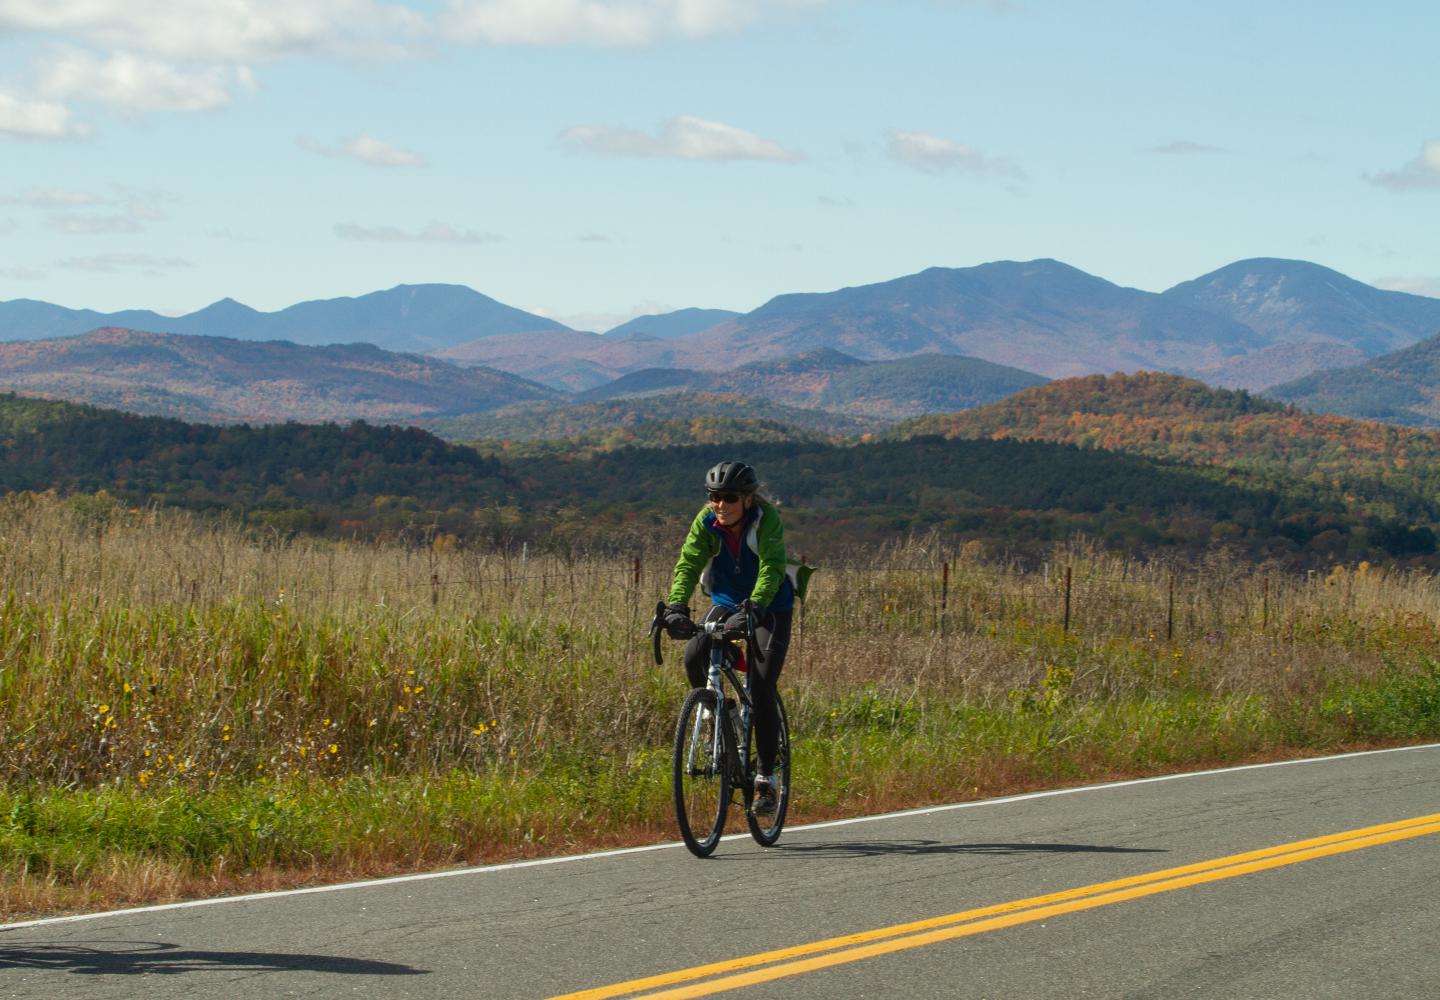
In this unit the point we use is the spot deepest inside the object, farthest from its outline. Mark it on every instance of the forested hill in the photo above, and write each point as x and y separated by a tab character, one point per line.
1156	395
1166	416
293	476
1402	387
649	421
1020	497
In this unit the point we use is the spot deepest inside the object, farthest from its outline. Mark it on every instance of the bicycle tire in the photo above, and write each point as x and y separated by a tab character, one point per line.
766	829
701	782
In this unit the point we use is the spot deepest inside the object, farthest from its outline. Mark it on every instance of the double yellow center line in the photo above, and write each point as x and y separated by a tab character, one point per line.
771	965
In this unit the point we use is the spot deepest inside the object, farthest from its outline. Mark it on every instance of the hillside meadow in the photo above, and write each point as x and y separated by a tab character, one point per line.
189	707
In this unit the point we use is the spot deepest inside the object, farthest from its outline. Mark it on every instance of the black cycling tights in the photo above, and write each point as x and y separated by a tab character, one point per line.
773	635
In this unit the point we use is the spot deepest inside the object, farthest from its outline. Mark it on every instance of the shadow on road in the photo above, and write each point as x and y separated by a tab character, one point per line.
134	958
874	848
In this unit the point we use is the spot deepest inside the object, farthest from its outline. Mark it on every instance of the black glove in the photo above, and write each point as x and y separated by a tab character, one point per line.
736	623
677	621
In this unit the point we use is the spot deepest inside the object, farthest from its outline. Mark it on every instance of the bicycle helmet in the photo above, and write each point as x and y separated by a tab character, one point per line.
731	477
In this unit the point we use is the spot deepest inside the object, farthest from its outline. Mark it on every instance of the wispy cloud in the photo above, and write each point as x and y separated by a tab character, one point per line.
51	199
35	118
96	225
230	236
435	232
613	23
1184	147
933	154
21	273
128	210
1420	174
112	262
683	137
368	150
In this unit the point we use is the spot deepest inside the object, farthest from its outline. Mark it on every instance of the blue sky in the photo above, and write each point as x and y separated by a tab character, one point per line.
596	159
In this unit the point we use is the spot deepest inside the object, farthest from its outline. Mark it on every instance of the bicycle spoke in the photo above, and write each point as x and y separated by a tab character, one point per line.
700	779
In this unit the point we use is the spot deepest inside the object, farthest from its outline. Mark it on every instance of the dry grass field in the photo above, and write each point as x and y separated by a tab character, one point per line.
186	708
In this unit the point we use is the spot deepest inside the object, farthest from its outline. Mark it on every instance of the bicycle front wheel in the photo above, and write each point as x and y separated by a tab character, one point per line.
700	778
766	829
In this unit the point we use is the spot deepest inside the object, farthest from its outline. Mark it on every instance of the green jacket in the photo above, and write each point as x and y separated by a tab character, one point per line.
765	537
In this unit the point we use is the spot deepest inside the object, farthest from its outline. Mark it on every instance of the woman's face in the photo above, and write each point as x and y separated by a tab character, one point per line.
730	508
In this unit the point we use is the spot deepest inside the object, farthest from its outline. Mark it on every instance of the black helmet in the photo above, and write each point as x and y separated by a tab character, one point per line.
731	477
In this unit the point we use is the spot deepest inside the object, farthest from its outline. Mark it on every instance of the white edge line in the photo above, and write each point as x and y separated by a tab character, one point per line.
617	852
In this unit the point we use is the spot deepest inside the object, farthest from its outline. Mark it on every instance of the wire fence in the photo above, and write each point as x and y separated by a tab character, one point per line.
1154	601
152	559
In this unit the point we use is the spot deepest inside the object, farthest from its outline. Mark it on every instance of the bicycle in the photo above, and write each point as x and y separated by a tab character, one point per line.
714	743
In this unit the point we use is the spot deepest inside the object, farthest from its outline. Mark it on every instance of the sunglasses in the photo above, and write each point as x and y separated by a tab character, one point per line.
726	497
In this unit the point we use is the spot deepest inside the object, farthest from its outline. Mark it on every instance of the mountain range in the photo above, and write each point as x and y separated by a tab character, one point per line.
220	379
408	318
1252	324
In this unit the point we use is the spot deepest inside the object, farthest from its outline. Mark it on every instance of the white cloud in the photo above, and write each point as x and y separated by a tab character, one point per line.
180	55
684	137
31	118
111	262
932	154
368	150
1413	285
21	273
1420	174
616	23
133	82
435	232
221	31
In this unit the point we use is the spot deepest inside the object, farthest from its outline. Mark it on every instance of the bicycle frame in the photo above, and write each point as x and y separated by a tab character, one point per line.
720	672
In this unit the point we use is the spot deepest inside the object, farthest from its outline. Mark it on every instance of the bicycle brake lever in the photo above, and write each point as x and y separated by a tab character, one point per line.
656	626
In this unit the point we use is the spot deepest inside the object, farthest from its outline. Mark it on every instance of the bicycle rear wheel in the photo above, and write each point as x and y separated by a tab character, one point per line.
700	778
766	829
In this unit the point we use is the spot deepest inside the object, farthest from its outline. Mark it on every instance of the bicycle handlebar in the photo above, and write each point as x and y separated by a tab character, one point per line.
714	628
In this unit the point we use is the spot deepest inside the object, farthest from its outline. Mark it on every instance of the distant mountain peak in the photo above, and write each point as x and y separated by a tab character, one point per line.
679	323
1297	301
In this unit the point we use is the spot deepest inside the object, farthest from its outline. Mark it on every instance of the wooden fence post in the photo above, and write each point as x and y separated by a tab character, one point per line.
1170	611
1066	629
944	594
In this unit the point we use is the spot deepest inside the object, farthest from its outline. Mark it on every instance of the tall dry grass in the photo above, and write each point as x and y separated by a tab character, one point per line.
180	696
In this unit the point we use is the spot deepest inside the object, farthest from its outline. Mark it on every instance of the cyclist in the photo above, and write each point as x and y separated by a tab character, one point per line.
735	551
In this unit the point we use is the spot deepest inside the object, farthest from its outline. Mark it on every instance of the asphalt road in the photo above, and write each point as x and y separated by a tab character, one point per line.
1309	879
